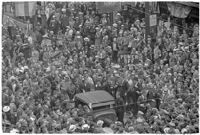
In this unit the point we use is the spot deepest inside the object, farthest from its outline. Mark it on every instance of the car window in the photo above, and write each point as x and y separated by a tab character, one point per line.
77	102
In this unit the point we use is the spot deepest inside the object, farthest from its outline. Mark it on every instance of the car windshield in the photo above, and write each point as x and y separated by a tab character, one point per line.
101	107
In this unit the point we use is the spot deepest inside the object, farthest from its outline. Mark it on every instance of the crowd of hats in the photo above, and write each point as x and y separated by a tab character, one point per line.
37	89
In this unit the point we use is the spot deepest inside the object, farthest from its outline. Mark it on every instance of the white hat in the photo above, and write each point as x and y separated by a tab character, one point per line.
51	32
25	67
108	130
70	32
78	32
118	14
142	25
64	72
142	105
184	130
180	116
139	120
6	108
80	13
114	25
48	69
137	20
140	113
70	61
180	43
100	123
166	130
116	66
72	128
63	10
114	71
45	36
78	37
14	131
177	131
12	78
32	118
86	39
85	126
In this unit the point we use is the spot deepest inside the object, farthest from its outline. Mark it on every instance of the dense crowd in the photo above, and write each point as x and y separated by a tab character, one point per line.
72	49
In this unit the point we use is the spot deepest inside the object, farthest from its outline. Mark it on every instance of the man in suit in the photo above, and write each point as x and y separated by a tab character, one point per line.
132	97
120	109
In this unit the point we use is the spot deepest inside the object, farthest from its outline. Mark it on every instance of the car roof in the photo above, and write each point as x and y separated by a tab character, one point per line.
94	97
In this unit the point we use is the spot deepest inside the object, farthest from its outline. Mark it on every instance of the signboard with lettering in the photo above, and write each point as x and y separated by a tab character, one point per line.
128	59
153	20
107	7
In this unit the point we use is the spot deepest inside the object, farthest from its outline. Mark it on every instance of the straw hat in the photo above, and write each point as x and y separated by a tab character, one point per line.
12	78
72	128
166	130
48	69
63	10
45	36
86	39
100	123
114	25
184	130
85	126
140	113
6	108
14	131
140	120
118	14
108	130
104	15
118	123
172	124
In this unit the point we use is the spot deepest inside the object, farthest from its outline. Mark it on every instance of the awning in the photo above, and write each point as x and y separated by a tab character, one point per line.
25	8
190	4
11	21
178	10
